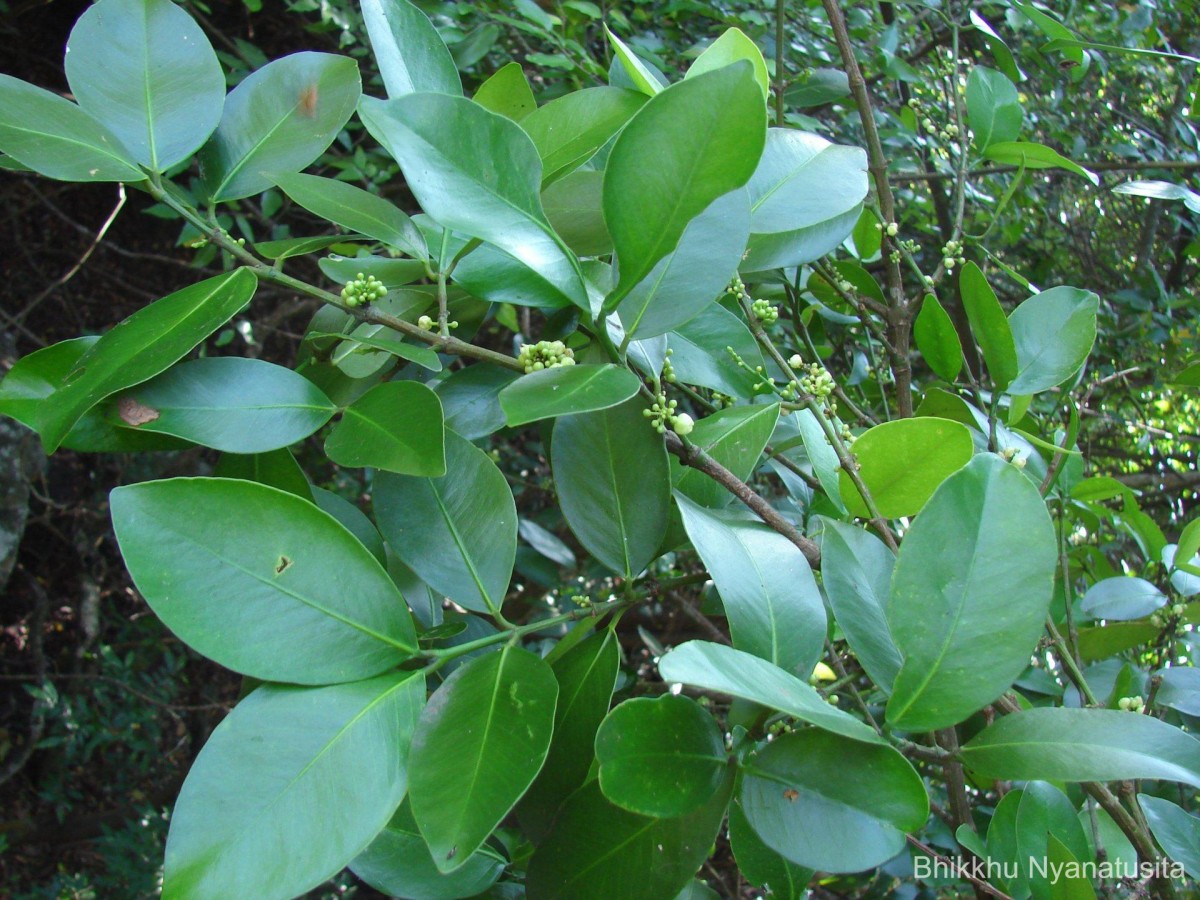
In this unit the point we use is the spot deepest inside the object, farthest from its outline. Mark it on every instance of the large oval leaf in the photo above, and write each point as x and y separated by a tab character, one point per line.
705	136
699	355
829	803
408	50
715	667
260	580
1083	745
477	748
147	71
477	173
804	180
902	463
993	107
278	120
396	427
54	137
569	130
660	757
1177	831
1053	333
457	532
762	866
563	390
767	587
963	617
937	340
291	786
731	46
142	346
1122	598
227	403
613	482
734	437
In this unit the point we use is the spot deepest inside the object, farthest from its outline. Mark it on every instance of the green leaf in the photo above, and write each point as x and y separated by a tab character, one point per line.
574	205
699	355
734	437
821	455
937	340
903	462
477	173
694	274
142	346
408	50
989	325
599	851
277	121
470	399
761	865
227	403
1035	156
856	569
396	427
279	590
398	863
993	107
731	46
569	130
353	520
785	249
302	246
1046	817
563	390
586	677
864	797
613	483
291	786
803	181
277	469
457	532
1176	831
963	617
147	71
1055	744
1053	332
816	87
715	667
355	210
660	757
767	588
643	79
1122	598
1004	57
507	93
705	135
1189	541
54	137
1161	190
477	748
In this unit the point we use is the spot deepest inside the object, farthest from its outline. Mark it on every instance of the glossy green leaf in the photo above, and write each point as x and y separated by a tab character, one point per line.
762	866
227	403
1046	817
477	173
856	570
545	542
989	325
821	455
586	677
398	863
353	520
1053	333
563	390
660	757
280	590
394	273
699	355
803	181
408	50
396	427
302	246
470	399
142	346
1004	57
1055	744
903	462
613	483
54	137
1177	831
383	339
291	786
1122	598
785	249
147	71
1035	156
599	851
574	205
643	79
734	437
767	588
706	135
731	46
569	130
813	776
964	619
355	210
457	532
715	667
276	468
937	340
497	277
1180	689
477	748
277	121
816	87
693	275
993	107
507	93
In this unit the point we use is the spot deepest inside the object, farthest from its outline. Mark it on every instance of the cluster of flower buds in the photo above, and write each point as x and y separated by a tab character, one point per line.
668	370
817	382
765	312
362	290
1132	704
952	255
545	355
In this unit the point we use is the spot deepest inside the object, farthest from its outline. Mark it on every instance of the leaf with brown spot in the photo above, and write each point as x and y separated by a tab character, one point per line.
134	413
308	101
